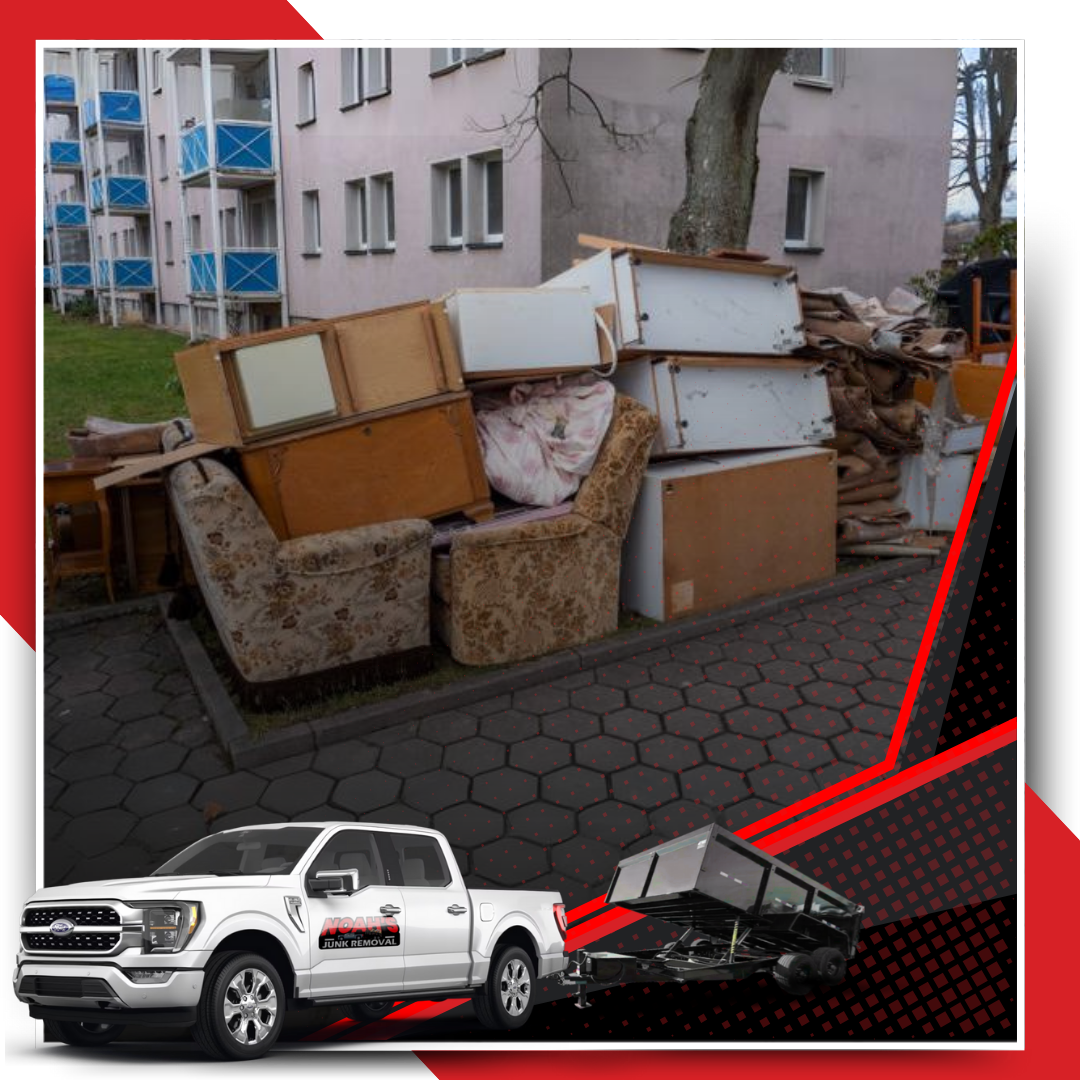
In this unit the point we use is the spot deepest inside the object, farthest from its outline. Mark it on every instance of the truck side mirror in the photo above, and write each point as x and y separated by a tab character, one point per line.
329	882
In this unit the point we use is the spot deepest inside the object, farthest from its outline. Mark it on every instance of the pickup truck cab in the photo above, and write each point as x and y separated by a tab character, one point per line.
247	923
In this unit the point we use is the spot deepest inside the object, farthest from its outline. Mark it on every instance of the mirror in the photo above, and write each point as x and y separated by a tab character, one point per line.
335	881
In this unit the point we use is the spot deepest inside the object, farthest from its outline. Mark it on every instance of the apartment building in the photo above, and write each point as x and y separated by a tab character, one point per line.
236	189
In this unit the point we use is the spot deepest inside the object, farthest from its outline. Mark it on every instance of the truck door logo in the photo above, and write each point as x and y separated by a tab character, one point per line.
359	933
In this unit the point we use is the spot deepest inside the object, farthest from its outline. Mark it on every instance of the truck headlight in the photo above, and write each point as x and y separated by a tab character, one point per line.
168	928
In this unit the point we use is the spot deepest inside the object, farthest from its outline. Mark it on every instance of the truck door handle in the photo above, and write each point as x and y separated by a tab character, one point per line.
389	909
456	909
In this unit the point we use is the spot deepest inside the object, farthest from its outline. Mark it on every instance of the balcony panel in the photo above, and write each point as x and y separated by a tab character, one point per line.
252	272
47	277
65	154
129	273
114	108
59	90
194	152
244	145
202	272
77	276
70	215
126	194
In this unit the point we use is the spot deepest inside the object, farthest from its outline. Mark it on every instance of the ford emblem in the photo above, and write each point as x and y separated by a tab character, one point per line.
61	927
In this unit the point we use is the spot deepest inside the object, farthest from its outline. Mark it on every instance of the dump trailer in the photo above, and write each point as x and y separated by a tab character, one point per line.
741	912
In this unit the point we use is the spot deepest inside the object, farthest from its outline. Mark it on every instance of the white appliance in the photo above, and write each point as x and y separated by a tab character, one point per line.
937	505
730	403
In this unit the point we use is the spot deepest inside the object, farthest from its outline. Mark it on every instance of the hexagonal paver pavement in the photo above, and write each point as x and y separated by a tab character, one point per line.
693	723
641	786
297	792
714	697
432	791
467	825
789	672
676	674
755	723
733	673
509	726
345	759
595	699
447	727
841	671
543	822
743	813
510	861
632	724
860	747
541	699
410	757
766	695
654	698
830	695
540	755
624	676
589	861
360	794
713	785
734	751
504	789
670	752
880	692
570	725
801	751
613	823
575	787
876	718
677	818
782	784
474	756
749	652
605	753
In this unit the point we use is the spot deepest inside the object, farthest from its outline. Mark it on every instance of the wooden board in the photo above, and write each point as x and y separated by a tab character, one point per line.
416	462
976	385
143	466
209	397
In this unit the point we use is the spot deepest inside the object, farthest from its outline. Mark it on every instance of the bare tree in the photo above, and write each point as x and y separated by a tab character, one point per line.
984	152
721	150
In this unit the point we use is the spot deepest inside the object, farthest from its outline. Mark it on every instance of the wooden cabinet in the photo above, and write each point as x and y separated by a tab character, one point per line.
411	461
252	388
713	532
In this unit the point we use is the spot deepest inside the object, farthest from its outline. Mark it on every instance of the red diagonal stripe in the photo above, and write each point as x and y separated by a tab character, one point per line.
586	909
614	919
331	1031
403	1020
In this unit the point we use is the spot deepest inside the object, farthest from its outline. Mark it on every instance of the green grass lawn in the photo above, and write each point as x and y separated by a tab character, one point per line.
93	370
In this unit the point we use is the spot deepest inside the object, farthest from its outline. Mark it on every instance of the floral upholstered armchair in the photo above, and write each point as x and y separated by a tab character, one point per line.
509	593
354	601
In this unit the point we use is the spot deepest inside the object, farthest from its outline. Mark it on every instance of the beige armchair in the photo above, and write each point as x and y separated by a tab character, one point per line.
510	593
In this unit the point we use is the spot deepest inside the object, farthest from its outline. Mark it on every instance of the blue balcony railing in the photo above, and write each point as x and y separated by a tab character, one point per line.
128	273
70	215
248	272
47	277
65	154
122	108
126	193
242	146
59	90
77	276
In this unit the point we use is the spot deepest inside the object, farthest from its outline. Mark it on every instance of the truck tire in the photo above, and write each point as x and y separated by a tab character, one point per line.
830	966
794	972
507	1000
76	1033
369	1010
242	1008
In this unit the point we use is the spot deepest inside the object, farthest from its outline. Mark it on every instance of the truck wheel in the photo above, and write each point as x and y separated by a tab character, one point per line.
76	1033
507	1000
830	967
794	973
369	1010
242	1007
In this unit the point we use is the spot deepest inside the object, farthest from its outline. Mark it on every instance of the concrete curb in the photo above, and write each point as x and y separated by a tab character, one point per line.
246	751
66	620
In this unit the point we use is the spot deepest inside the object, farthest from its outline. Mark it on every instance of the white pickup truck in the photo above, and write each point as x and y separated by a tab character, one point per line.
247	923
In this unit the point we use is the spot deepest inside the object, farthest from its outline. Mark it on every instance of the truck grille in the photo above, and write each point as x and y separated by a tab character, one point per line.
80	916
65	986
71	942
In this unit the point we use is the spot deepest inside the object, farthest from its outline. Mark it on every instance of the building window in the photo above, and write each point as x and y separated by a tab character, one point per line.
356	216
195	229
813	67
382	234
804	226
168	243
475	55
305	90
163	158
446	59
312	224
155	71
228	227
485	199
447	205
365	74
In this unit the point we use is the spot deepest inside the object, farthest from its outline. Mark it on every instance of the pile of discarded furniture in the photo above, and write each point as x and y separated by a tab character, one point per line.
511	467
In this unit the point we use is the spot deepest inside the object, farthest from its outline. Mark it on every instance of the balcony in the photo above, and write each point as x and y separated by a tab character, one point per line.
71	276
60	90
116	108
249	273
127	274
69	215
65	155
245	152
125	195
47	277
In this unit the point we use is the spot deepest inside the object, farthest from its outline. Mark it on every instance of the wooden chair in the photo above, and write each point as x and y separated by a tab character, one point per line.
979	347
71	483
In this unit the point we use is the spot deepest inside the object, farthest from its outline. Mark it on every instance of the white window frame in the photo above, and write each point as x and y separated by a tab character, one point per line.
382	214
371	90
447	58
356	216
306	100
442	209
163	158
477	227
168	244
475	54
311	222
352	78
195	231
813	238
156	67
827	78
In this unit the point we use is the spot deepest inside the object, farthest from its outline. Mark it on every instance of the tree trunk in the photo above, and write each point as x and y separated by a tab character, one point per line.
1000	67
721	150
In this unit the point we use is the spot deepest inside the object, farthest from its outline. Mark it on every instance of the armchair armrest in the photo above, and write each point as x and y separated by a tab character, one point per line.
560	528
349	550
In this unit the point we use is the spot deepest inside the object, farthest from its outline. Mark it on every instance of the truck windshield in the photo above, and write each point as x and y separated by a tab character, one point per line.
243	852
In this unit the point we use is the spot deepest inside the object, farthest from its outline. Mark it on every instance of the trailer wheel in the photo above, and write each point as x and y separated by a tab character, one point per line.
369	1010
830	967
79	1033
794	972
507	999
